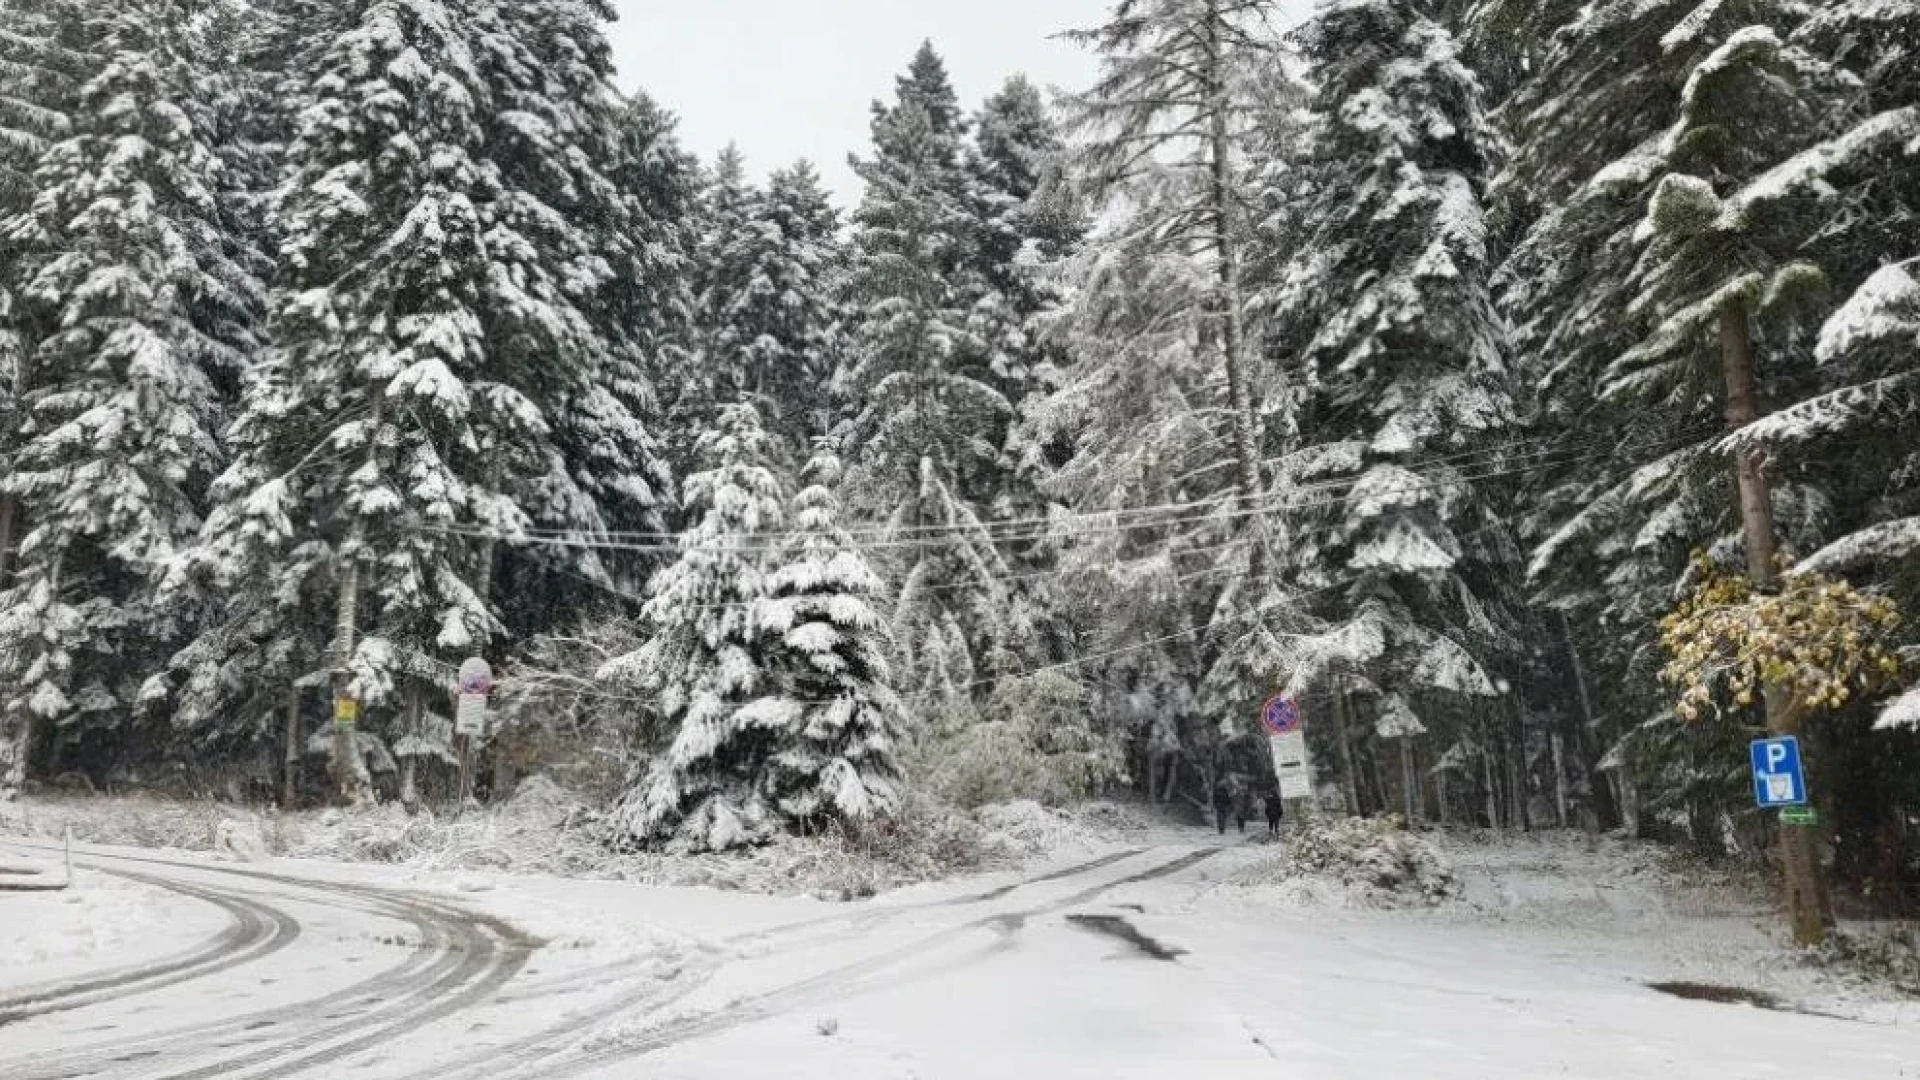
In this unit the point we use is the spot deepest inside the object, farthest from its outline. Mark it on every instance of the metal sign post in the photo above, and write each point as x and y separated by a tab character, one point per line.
470	720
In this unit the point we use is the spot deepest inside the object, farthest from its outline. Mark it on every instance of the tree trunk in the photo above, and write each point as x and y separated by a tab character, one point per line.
1518	793
290	776
1493	791
1408	780
410	764
1349	770
1232	301
1808	905
9	513
1559	781
348	772
1606	811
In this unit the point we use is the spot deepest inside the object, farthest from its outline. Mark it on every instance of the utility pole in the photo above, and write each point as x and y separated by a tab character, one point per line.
1808	906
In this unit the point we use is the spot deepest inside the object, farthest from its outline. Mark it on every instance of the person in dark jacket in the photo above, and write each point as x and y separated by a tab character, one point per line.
1222	804
1276	811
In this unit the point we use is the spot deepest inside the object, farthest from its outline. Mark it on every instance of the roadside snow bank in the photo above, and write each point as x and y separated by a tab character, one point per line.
100	916
1353	862
544	829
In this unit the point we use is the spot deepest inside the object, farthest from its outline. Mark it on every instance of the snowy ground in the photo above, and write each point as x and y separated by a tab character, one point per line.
1164	954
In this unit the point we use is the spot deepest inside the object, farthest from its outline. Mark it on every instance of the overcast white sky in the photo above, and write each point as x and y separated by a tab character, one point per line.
788	79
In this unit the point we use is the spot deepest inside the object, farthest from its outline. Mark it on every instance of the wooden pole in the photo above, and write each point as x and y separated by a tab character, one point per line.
1808	906
290	778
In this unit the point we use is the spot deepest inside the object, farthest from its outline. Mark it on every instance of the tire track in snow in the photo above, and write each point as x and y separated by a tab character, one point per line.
254	930
547	1043
464	959
848	977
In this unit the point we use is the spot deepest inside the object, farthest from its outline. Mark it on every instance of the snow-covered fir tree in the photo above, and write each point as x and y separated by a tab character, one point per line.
132	321
843	728
1386	321
769	321
439	342
1176	102
711	380
1612	523
709	656
614	434
929	414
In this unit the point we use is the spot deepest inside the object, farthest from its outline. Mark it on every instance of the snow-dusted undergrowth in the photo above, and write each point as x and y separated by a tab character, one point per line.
544	829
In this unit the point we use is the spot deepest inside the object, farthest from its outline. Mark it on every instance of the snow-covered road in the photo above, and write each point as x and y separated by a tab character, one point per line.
1135	963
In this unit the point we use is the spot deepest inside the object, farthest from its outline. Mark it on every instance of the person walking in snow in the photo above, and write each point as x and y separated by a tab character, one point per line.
1222	803
1276	811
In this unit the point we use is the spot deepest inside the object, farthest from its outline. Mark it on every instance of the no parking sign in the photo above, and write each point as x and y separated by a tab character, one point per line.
1281	716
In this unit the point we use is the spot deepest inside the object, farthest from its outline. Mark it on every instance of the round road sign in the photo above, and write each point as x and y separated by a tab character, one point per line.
1281	716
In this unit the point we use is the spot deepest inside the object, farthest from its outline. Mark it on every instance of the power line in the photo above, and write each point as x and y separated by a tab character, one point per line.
1046	527
1543	460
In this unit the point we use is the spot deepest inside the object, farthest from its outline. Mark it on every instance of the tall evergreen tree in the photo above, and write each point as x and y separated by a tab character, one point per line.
136	321
844	726
710	656
440	347
1388	312
768	312
1173	101
931	416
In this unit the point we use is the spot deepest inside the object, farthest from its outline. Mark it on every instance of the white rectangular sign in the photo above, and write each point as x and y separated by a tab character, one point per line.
1292	766
1289	750
470	718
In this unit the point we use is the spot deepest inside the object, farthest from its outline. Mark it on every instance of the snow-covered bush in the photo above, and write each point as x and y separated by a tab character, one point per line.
1890	957
1376	859
1034	739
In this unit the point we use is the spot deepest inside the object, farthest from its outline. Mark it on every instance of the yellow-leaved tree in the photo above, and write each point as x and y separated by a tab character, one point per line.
1819	641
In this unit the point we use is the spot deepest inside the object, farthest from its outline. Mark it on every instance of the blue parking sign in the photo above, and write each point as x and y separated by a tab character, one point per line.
1777	777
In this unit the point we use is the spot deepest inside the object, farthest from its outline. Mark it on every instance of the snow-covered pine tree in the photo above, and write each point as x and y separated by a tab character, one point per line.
429	325
1029	219
1176	99
615	434
708	786
43	70
770	261
561	233
930	418
842	725
1387	313
449	366
713	379
134	322
1156	400
1612	523
1137	418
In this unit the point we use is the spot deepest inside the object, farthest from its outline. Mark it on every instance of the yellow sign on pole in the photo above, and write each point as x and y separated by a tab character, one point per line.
346	710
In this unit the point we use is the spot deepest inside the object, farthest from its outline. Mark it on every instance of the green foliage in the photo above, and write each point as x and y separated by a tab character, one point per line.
1034	738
